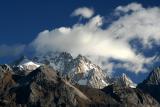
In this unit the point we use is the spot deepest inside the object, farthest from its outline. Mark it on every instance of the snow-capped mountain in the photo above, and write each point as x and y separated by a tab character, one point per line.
124	81
80	70
84	72
26	64
29	65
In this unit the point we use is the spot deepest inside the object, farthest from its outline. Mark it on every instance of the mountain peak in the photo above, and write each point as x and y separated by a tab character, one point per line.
43	72
80	69
65	54
125	81
80	57
154	77
24	63
152	84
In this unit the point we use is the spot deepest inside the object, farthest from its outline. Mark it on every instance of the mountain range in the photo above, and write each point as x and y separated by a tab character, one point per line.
59	80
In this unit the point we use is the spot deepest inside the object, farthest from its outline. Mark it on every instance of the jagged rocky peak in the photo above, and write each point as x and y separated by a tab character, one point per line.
43	74
59	61
41	88
85	64
82	64
80	69
49	79
130	97
124	81
45	87
65	55
85	72
82	58
154	77
151	84
51	56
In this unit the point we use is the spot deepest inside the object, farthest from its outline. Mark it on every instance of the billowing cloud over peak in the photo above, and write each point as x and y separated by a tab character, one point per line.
103	44
110	47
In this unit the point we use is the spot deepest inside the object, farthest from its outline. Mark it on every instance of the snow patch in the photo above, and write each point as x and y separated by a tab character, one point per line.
24	65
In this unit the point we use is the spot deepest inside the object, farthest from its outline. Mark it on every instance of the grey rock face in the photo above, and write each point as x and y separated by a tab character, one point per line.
124	81
130	97
80	69
152	84
44	87
154	77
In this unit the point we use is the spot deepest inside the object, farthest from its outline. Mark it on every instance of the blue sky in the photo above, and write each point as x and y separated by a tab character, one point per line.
21	22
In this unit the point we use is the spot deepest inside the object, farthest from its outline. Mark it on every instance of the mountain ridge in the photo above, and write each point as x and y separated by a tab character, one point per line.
62	80
44	86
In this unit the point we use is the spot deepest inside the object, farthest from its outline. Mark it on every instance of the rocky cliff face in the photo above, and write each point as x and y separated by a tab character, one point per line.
152	84
154	77
124	81
80	69
42	87
130	97
45	87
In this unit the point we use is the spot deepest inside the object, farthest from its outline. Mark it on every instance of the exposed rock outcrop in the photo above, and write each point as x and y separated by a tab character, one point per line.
152	84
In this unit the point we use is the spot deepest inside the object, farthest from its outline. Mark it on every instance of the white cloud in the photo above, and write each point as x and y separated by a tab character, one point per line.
130	7
88	39
142	23
11	50
83	12
101	45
